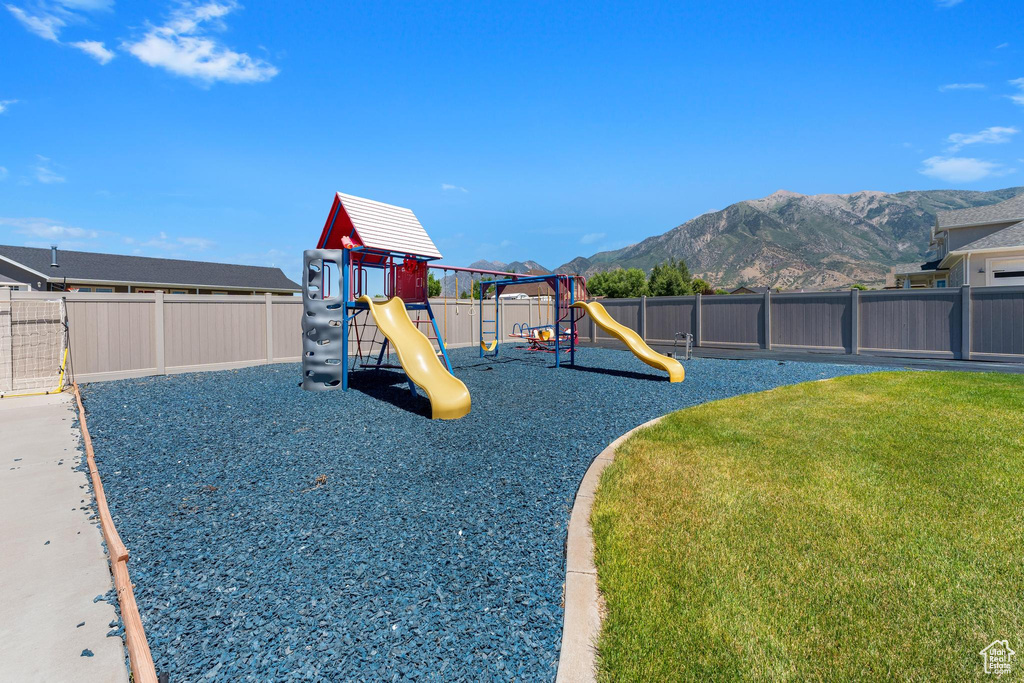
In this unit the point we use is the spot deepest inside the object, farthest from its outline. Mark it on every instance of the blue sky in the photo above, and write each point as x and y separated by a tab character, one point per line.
219	131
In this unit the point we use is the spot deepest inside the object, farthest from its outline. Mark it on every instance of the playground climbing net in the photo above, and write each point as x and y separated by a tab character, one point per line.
33	347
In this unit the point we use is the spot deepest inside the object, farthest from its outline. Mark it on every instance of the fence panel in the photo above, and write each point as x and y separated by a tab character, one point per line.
813	322
997	323
207	330
668	315
287	328
735	320
625	311
115	335
921	322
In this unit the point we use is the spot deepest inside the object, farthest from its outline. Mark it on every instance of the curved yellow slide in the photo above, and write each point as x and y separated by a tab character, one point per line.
633	341
449	397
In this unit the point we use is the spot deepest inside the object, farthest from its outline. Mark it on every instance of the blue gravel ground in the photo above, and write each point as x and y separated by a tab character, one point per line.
433	550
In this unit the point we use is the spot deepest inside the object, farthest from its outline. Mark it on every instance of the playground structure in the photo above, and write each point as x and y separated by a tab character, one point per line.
361	235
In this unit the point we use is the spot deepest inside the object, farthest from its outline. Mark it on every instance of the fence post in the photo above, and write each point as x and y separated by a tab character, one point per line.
158	343
643	317
6	340
965	322
696	320
270	325
854	321
768	319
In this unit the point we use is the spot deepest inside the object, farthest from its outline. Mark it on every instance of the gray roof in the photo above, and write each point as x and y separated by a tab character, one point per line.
1011	209
926	267
1010	237
755	290
85	265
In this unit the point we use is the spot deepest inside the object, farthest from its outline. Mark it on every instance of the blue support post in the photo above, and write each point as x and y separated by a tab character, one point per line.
344	319
558	284
380	356
440	342
572	321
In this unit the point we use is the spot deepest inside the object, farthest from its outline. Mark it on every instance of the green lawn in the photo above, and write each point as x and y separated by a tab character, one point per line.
870	526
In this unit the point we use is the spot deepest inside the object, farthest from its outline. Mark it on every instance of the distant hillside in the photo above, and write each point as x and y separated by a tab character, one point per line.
465	280
791	240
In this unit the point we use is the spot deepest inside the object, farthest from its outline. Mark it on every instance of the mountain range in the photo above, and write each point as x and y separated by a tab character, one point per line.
790	240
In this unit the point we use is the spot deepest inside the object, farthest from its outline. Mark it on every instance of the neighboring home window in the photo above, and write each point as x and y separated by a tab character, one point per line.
84	289
1006	272
940	283
108	290
178	291
217	292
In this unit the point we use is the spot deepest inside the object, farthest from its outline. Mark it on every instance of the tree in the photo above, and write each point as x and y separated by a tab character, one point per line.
859	286
701	286
618	283
476	288
433	286
667	279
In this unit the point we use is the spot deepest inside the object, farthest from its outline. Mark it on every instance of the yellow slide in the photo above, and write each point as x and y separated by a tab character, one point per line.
449	397
633	341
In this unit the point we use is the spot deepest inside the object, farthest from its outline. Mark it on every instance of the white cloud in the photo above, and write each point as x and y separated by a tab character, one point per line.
947	3
447	186
95	49
183	47
962	86
45	24
6	103
1000	46
44	173
962	169
592	237
994	135
47	229
163	242
1018	98
47	18
197	243
3	173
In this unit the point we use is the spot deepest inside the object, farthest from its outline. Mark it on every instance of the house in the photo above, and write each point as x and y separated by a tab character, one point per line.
753	290
12	283
83	271
529	291
981	246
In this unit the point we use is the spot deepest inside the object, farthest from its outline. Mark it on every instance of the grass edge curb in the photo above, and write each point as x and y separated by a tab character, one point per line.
581	625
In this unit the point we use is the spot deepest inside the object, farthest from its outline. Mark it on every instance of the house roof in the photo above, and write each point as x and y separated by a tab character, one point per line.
93	267
376	225
926	267
1011	209
1009	237
754	290
7	281
532	288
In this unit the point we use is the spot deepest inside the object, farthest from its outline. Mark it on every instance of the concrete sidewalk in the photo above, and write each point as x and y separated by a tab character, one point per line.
53	564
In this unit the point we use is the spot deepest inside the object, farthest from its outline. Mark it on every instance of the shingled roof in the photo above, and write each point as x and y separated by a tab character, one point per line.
1009	210
375	225
1010	237
143	270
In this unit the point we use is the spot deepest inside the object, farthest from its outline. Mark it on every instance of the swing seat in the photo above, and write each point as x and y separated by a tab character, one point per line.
489	346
